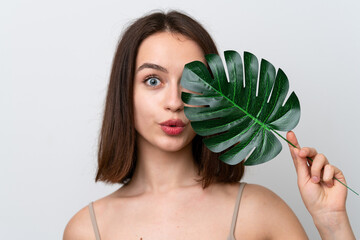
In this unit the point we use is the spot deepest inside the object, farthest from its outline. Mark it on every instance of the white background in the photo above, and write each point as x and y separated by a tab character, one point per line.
55	59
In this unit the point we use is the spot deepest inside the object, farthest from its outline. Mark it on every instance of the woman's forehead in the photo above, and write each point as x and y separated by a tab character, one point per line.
165	48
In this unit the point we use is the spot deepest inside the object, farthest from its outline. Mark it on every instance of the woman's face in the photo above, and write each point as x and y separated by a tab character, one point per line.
157	90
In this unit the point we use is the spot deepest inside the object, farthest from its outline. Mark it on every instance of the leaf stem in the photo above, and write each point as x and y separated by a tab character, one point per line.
312	160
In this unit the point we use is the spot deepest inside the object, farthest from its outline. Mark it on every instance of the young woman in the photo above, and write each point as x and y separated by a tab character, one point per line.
174	188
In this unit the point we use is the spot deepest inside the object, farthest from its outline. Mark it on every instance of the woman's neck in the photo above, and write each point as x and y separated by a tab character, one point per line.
159	171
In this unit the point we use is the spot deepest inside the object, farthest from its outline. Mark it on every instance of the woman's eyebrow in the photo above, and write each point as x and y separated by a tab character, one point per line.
153	66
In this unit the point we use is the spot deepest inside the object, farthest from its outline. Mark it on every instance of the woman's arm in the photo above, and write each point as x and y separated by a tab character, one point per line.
323	196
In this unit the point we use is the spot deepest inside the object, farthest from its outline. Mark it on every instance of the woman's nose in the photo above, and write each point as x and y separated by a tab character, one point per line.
173	100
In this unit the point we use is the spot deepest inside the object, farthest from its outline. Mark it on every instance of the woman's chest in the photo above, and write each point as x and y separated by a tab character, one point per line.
167	220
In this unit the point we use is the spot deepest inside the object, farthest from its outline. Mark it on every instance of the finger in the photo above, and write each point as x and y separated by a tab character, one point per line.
339	175
292	138
328	175
308	152
318	164
300	163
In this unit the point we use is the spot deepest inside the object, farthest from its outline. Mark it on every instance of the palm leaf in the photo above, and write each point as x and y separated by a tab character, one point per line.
239	115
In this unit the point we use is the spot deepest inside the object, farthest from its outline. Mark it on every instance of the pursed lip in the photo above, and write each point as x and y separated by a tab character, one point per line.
173	123
173	127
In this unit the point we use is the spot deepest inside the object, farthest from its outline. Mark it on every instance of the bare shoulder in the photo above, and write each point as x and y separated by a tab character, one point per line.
260	195
263	214
79	227
263	199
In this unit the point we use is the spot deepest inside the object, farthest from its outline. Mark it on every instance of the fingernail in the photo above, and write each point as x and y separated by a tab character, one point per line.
315	179
329	185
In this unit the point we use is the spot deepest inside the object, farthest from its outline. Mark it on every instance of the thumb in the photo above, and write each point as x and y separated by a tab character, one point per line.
302	169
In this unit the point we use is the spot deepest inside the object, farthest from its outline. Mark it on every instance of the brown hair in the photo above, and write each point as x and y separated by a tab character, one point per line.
117	141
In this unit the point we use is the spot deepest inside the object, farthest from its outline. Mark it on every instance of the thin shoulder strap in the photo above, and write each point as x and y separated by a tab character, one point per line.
236	210
93	220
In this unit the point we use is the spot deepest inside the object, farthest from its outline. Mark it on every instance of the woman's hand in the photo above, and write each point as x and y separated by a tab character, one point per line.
323	196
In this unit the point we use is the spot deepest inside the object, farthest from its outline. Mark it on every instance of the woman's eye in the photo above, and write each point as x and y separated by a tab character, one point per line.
152	81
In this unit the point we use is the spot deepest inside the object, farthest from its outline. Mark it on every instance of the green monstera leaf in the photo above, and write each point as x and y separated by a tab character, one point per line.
240	115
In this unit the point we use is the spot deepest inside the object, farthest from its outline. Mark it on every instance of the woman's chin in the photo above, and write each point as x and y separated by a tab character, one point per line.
174	145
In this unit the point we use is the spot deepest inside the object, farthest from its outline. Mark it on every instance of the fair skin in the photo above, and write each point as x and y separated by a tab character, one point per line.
163	199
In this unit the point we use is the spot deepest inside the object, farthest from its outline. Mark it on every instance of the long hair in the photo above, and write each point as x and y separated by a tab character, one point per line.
117	141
